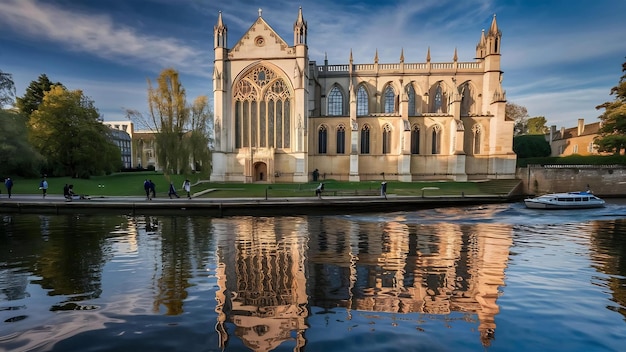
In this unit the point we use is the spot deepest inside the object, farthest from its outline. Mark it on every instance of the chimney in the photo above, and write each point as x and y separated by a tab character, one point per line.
562	132
552	133
581	126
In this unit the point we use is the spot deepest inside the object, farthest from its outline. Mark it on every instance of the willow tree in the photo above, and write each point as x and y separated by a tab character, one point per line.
169	113
181	130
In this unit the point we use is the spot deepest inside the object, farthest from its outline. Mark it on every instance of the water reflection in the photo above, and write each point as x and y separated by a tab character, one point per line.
261	282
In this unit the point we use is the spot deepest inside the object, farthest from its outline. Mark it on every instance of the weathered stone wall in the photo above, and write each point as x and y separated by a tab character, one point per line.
606	180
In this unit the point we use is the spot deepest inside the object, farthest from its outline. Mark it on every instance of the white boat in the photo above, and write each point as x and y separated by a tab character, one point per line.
569	200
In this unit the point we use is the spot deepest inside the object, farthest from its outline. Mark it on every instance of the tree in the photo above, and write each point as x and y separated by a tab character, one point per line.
66	129
531	146
537	125
7	89
34	94
17	156
519	114
613	131
181	131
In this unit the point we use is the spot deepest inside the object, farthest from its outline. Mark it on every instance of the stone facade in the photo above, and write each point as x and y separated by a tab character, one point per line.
279	116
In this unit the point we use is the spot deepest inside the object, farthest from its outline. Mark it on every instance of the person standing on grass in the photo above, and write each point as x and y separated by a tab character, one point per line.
8	183
43	186
187	188
318	190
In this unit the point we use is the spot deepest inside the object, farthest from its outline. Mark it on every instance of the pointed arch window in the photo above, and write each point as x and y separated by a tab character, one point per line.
365	139
362	104
477	129
436	140
262	102
410	91
390	99
341	139
322	139
415	140
386	139
438	98
335	102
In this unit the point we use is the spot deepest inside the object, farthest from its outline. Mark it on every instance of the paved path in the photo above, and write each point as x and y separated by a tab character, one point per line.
237	206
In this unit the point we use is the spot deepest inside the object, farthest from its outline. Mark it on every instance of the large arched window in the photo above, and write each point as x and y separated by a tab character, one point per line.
262	110
335	102
410	91
436	140
390	99
386	139
322	139
341	139
362	104
477	129
365	139
415	140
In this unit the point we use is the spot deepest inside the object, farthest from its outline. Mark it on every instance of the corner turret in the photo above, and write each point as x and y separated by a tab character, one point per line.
299	29
219	32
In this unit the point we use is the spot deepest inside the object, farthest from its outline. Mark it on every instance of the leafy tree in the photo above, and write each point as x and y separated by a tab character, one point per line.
34	94
613	131
17	156
531	146
519	114
7	89
66	129
181	130
537	125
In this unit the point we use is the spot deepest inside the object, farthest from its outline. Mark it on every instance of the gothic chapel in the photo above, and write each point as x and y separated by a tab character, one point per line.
279	116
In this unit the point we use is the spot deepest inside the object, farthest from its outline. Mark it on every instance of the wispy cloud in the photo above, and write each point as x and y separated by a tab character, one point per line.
99	36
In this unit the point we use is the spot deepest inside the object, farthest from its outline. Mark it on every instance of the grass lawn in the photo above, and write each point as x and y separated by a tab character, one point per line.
131	184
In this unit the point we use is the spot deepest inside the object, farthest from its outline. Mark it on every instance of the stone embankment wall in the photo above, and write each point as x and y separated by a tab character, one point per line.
605	180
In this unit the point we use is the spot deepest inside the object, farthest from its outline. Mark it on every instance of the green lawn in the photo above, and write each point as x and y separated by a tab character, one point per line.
131	184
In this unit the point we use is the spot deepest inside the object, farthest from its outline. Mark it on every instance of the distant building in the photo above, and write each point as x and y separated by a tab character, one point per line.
575	140
144	144
122	135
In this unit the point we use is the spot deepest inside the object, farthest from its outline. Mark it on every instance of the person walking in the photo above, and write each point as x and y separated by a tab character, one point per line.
187	188
43	186
318	190
146	187
8	183
172	191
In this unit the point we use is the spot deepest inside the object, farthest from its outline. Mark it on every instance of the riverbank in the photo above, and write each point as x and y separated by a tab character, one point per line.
219	207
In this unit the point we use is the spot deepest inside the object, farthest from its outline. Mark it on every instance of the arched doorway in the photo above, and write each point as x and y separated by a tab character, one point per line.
260	172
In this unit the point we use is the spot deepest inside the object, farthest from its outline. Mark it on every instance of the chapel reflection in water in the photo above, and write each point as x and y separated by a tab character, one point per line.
271	269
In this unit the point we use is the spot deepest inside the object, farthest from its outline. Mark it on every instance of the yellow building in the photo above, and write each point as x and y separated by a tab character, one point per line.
574	140
279	116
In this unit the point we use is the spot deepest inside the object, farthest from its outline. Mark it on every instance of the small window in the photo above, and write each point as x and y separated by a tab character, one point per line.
341	139
322	139
365	140
386	139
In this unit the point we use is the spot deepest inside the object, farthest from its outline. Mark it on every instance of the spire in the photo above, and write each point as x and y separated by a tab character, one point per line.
260	12
299	29
402	55
456	57
494	26
428	55
376	56
350	56
219	32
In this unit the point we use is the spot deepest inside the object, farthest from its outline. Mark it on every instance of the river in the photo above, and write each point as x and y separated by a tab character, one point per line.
493	277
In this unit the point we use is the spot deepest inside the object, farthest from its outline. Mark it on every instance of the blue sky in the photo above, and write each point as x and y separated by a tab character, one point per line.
560	58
